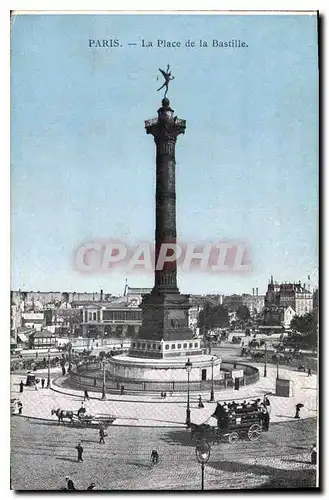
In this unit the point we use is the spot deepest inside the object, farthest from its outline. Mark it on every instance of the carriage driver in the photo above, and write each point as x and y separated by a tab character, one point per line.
81	410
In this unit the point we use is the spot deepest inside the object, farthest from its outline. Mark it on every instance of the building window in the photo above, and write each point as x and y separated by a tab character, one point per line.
154	346
143	346
173	346
185	346
167	346
195	344
190	345
94	316
133	345
149	346
179	346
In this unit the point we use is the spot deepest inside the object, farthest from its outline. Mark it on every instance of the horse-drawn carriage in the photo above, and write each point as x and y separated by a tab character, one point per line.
83	420
248	422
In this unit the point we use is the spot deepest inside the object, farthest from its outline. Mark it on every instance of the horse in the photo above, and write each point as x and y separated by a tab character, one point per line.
61	414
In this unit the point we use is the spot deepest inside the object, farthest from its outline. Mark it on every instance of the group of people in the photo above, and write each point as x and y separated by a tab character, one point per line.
163	395
70	486
36	382
224	412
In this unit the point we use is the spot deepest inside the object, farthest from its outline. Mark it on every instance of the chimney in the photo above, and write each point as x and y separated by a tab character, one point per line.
257	291
101	299
253	291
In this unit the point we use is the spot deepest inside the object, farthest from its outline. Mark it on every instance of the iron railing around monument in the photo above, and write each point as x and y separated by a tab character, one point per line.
90	376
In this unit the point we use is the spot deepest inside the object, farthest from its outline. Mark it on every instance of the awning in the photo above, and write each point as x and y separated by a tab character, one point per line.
22	337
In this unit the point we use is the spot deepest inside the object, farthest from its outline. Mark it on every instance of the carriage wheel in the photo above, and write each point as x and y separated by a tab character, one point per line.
233	437
254	432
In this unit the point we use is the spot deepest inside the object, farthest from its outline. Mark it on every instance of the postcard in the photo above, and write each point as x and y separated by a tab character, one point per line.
164	253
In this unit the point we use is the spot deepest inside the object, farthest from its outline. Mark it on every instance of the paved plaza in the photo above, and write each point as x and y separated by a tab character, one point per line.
281	458
150	410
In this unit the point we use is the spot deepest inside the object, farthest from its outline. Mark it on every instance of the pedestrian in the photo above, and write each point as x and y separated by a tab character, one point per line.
21	386
42	383
95	381
36	385
313	454
164	395
155	456
102	435
309	372
86	395
200	404
267	403
298	407
122	389
265	419
20	407
70	484
80	451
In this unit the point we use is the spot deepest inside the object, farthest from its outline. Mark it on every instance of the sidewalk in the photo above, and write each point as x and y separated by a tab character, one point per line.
150	410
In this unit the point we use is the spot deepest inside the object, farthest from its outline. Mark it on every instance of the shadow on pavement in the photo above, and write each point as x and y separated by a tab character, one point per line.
181	437
67	459
277	478
138	464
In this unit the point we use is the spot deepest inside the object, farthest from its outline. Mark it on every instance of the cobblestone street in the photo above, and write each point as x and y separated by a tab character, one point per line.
43	454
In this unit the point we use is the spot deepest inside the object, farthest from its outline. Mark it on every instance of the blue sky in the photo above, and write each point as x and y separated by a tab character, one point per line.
82	166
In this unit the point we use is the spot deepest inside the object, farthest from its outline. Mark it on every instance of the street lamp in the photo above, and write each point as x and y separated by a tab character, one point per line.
188	366
103	388
48	378
265	361
277	366
212	380
202	452
70	353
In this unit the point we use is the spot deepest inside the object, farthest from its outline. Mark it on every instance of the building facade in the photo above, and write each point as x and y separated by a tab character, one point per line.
294	295
254	302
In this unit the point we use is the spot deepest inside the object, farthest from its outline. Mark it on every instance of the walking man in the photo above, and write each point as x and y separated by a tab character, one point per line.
86	395
42	383
309	372
20	407
155	456
102	435
21	386
122	389
80	451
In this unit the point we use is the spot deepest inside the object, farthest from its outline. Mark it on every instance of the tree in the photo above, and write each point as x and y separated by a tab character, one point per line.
304	324
212	316
307	325
243	313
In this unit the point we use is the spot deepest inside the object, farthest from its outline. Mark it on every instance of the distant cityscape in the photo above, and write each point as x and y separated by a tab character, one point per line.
38	317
